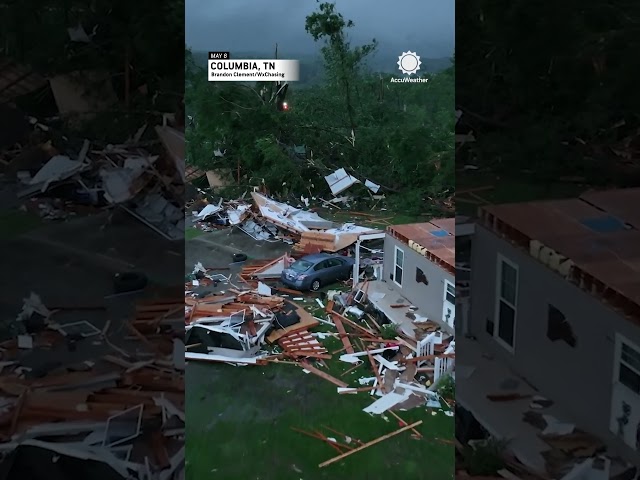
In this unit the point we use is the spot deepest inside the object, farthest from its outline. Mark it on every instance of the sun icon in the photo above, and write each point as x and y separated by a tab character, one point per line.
409	62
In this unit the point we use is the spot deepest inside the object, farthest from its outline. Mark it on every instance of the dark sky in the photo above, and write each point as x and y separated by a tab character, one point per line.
424	26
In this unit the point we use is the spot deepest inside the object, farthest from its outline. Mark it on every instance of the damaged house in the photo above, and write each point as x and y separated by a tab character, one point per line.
555	286
418	281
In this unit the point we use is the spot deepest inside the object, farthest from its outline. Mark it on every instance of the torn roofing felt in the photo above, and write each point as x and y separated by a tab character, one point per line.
29	462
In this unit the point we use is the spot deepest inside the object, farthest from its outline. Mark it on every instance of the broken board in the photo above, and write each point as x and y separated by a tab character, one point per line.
303	344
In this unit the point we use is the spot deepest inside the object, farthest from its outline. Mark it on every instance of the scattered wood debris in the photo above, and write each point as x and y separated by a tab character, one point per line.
372	442
124	408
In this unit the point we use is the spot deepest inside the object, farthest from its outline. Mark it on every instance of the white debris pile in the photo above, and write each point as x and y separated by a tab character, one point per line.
273	221
125	176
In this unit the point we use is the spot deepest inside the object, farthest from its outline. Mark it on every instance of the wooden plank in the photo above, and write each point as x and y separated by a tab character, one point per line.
403	423
261	268
303	345
288	290
18	410
359	389
302	338
251	326
321	374
305	349
68	379
315	435
373	320
171	312
374	365
310	352
299	336
405	343
323	356
329	307
343	334
350	369
307	340
322	436
359	442
368	444
159	448
47	399
354	325
144	339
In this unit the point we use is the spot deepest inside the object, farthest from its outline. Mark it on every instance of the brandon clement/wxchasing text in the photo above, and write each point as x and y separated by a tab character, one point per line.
243	69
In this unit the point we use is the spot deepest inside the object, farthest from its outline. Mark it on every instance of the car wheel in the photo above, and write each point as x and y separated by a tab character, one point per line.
315	285
129	282
239	257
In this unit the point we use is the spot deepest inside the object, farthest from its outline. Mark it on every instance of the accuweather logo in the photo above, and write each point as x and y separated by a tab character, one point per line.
409	64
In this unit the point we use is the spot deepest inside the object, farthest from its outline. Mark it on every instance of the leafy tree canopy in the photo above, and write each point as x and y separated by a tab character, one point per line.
398	135
550	87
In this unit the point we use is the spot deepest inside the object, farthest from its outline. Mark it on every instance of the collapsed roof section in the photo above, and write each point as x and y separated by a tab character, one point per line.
435	240
592	241
312	228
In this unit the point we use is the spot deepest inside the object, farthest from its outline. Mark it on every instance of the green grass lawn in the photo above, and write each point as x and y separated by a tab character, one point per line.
191	232
240	419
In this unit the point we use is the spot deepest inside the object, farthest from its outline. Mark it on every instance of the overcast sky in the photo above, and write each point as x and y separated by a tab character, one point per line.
424	26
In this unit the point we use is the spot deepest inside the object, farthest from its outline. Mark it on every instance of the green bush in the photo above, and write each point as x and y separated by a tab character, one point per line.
446	386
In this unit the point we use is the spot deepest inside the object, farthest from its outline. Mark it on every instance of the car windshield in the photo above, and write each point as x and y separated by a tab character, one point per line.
301	266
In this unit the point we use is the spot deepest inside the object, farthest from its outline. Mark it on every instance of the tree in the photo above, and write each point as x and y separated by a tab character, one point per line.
548	101
341	62
137	40
400	136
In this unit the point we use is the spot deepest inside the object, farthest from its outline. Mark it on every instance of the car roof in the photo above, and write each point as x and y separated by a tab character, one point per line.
316	257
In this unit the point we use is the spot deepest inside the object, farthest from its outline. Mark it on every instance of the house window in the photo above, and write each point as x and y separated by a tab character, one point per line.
629	367
450	293
506	311
421	277
399	266
558	328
